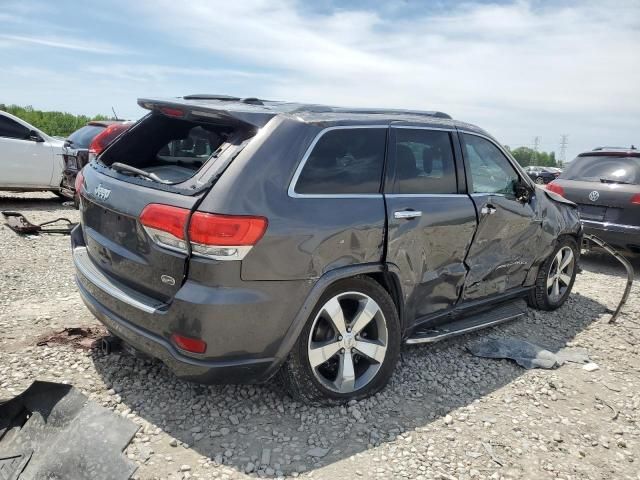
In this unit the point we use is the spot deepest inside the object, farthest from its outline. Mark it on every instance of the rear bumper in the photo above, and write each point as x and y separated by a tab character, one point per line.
243	327
625	237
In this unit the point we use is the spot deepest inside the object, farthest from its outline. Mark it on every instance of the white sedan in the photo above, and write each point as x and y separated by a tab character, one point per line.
30	160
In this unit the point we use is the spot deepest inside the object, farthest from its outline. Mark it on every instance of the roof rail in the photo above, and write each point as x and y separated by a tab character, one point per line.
207	96
598	149
369	111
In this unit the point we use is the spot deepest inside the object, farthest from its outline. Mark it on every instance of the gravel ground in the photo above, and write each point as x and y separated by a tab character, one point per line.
445	415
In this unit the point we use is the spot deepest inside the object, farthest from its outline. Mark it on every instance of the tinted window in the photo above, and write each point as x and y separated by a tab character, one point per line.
604	169
424	162
491	172
82	138
345	161
11	129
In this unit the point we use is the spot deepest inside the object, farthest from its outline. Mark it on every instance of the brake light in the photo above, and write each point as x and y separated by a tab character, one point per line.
636	199
105	137
193	345
172	112
222	237
555	188
79	183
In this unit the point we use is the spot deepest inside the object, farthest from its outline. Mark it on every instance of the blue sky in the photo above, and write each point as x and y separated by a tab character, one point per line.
518	69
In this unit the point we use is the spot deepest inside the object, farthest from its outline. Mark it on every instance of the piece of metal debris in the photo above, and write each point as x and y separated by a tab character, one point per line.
591	367
52	431
19	224
526	354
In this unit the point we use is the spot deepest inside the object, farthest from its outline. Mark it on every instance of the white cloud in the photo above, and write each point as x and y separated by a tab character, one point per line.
519	70
66	43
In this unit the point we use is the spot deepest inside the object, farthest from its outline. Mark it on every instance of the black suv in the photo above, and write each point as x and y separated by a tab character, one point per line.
238	238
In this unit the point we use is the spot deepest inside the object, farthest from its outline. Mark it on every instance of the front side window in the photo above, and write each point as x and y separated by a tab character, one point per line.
12	129
344	161
424	162
490	170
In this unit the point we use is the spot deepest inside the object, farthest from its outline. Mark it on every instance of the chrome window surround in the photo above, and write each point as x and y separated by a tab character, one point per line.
292	193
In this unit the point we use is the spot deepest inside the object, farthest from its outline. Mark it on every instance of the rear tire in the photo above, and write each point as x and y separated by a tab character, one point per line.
327	365
539	181
556	276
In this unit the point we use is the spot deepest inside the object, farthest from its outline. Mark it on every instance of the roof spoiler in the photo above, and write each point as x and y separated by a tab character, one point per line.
226	111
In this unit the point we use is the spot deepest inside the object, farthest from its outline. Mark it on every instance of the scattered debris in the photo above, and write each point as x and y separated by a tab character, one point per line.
19	224
489	449
591	367
52	430
615	412
526	354
79	337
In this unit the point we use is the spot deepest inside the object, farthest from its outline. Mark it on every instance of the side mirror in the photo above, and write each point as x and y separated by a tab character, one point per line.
34	136
522	192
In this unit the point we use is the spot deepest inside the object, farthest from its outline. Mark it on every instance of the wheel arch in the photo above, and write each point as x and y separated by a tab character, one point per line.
385	275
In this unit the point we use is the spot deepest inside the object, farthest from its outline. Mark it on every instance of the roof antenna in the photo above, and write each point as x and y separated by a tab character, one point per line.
114	113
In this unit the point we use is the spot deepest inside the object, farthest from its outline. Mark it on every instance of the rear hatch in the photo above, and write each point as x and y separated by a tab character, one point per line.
605	186
177	158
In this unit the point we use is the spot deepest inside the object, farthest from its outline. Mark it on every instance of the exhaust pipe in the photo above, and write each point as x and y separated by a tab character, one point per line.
110	344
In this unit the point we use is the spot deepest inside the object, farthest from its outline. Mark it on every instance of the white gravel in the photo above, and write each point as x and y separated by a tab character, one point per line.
445	415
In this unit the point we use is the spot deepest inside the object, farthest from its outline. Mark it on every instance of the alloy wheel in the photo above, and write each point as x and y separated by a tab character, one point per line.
560	273
540	181
347	342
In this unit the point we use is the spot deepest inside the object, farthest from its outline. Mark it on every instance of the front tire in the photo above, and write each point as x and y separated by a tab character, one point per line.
539	181
348	347
556	276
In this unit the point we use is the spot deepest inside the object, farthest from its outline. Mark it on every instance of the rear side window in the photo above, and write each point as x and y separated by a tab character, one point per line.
607	169
424	162
11	129
490	170
345	161
82	138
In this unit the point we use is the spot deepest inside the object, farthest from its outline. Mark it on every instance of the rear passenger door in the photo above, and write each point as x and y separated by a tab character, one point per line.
431	219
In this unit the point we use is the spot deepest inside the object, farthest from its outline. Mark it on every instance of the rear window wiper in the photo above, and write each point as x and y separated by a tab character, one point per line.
124	168
611	180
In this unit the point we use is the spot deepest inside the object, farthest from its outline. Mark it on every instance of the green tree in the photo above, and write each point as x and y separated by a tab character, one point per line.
59	124
527	156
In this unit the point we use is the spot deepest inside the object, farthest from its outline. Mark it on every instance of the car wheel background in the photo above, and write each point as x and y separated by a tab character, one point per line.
539	180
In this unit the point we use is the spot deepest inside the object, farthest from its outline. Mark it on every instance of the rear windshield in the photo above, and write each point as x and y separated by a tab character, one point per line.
171	149
604	169
82	138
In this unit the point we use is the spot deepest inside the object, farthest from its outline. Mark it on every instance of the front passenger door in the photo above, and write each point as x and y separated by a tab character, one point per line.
505	244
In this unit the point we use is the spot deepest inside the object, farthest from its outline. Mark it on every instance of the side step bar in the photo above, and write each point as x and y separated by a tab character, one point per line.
499	314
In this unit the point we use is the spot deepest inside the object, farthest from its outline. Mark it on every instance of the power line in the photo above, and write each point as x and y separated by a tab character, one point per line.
536	146
564	141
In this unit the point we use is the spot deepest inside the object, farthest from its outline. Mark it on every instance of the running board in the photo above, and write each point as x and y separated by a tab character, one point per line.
499	314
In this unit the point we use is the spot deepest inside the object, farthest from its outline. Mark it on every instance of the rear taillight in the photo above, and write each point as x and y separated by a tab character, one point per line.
79	183
555	188
636	199
222	237
104	138
193	345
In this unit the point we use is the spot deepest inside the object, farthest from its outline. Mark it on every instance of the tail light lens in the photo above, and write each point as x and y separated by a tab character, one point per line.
222	237
79	183
104	138
636	199
555	188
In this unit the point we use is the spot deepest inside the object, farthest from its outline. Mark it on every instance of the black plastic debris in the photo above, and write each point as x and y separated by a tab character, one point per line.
526	354
52	431
19	224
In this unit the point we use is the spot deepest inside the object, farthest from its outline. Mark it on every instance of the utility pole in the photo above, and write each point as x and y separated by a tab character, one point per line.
564	141
536	146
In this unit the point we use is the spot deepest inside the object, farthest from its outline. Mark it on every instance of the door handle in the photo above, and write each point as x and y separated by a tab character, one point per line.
488	210
407	214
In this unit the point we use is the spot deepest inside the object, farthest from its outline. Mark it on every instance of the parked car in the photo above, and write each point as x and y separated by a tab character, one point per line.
605	183
234	239
30	160
88	140
542	175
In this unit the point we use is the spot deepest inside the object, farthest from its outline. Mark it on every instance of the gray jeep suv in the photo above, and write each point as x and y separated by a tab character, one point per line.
236	239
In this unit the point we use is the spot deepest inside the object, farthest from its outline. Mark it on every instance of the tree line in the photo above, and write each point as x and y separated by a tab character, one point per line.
528	156
60	124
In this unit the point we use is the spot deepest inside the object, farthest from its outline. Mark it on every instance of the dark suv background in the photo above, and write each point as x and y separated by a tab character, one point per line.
605	183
